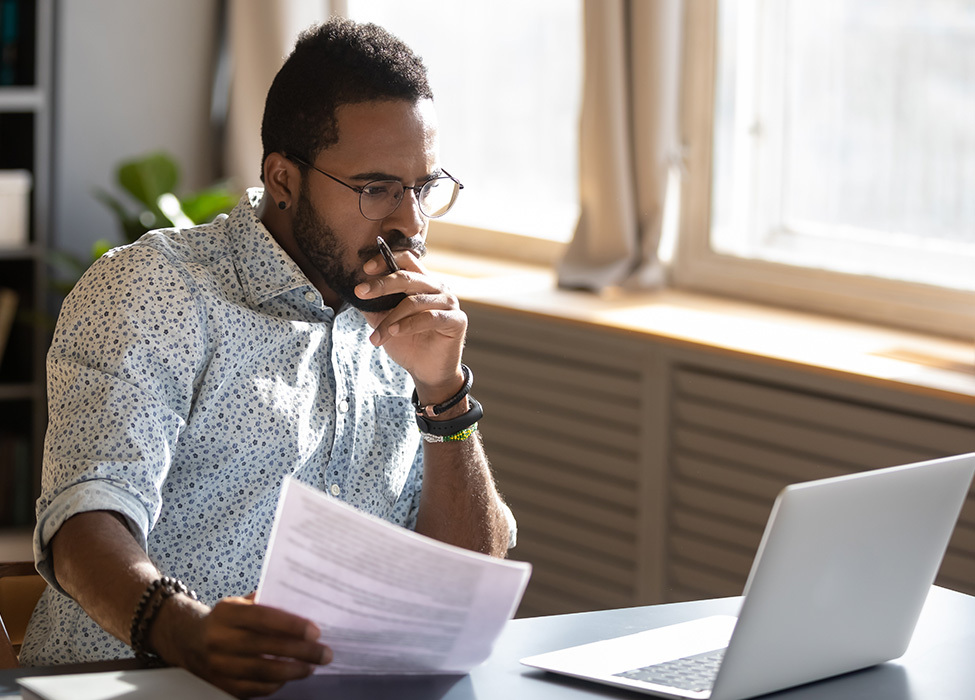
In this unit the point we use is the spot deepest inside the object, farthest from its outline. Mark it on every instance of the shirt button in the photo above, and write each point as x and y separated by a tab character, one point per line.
335	490
309	296
343	406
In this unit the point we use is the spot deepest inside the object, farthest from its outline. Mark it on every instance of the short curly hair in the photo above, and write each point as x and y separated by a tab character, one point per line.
335	63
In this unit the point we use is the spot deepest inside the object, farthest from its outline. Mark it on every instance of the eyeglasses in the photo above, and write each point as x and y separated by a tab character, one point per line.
380	198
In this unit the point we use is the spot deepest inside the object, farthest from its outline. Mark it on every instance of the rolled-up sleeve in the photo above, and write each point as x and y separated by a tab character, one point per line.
96	494
117	396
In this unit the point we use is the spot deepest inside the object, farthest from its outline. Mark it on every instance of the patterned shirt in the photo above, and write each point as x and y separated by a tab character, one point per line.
190	373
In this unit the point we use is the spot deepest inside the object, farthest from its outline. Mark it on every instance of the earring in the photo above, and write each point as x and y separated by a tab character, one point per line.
282	206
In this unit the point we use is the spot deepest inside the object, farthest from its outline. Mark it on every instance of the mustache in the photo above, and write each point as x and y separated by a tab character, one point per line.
396	243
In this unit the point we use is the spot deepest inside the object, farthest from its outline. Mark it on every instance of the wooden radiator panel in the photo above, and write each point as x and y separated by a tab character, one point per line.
645	473
563	427
737	442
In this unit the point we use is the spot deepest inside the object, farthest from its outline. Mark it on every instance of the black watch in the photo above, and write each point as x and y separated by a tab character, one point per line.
454	425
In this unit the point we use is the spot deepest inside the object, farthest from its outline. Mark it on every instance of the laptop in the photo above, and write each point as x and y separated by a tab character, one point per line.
838	583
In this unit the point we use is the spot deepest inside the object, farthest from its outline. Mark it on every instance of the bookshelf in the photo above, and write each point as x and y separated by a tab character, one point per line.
26	95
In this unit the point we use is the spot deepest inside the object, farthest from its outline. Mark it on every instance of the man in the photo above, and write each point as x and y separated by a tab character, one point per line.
193	371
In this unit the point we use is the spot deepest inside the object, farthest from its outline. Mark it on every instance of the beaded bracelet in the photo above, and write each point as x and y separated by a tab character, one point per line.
459	436
150	603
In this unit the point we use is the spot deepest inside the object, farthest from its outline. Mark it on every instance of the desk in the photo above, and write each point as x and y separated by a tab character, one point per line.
938	664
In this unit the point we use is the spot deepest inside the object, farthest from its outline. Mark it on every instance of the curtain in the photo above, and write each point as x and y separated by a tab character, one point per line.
260	37
629	142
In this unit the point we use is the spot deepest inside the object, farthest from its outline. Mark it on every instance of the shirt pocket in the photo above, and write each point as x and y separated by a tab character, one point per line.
397	441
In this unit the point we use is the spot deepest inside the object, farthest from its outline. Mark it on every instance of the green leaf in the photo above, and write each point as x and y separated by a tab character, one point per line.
202	207
146	178
149	177
101	247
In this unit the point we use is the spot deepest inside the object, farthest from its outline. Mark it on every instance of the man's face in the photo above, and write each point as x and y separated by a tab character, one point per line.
388	140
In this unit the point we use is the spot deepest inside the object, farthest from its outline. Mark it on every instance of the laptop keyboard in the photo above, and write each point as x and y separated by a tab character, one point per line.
695	673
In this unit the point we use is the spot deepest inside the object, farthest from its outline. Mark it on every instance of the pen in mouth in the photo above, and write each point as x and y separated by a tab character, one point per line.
387	254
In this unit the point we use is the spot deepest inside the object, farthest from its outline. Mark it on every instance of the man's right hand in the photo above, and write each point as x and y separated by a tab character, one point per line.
245	648
242	647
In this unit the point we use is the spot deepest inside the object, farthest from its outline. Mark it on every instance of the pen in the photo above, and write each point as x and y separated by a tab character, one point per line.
387	254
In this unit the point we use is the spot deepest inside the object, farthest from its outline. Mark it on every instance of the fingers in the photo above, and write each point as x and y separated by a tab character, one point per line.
411	277
404	259
243	613
417	315
405	281
247	644
428	306
241	628
424	333
251	649
246	676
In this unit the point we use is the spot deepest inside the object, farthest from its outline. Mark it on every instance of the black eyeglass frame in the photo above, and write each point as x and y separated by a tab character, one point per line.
417	189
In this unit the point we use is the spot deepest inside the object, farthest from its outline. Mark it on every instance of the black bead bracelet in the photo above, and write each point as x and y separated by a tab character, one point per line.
150	603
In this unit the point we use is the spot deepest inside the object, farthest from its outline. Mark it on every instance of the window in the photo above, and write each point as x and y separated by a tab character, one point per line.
841	143
507	80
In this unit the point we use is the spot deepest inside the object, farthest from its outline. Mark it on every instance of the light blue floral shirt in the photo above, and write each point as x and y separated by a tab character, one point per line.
190	373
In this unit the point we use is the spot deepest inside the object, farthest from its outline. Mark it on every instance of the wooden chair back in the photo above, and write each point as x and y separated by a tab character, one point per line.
20	588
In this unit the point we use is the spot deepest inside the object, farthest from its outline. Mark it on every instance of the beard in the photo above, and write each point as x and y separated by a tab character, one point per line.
321	245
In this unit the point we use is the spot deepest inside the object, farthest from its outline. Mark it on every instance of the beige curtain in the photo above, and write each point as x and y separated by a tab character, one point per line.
630	141
261	34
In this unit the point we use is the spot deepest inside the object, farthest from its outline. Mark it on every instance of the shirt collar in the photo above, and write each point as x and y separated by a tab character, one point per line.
264	268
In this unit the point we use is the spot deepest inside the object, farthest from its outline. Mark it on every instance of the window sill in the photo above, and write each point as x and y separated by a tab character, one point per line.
917	362
495	244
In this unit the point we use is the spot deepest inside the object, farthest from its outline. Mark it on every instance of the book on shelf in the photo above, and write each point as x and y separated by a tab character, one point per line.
16	481
17	26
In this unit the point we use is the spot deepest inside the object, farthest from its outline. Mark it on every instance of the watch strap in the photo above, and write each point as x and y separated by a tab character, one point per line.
450	427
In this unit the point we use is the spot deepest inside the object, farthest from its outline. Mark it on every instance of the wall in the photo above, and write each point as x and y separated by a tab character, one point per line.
132	77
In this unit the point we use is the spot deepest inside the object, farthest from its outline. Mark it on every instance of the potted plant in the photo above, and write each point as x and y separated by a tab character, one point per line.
151	181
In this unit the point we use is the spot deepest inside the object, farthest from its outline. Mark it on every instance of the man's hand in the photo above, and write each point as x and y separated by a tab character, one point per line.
425	332
244	648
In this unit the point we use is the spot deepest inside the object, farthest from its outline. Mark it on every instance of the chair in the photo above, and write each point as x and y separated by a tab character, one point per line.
20	587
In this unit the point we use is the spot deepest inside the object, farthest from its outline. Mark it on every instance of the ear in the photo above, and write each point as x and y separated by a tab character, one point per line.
282	180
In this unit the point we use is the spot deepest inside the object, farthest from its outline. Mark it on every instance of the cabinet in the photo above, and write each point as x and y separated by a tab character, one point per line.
26	94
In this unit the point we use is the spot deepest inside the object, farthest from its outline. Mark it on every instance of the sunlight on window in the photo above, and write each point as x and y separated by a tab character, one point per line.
845	136
507	82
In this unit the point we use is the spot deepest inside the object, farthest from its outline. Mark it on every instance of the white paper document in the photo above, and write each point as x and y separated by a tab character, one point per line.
386	599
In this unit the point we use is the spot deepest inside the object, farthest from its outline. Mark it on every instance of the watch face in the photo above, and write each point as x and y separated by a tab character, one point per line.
423	424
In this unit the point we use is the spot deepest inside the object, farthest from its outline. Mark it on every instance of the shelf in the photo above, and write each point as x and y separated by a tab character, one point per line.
26	112
19	392
21	99
30	252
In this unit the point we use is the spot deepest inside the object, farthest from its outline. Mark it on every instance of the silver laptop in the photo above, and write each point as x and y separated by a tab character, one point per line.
837	585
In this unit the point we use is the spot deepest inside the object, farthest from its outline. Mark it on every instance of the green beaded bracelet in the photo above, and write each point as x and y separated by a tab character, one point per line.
459	436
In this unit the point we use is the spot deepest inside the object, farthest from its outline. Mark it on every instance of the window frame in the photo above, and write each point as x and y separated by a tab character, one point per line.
696	266
494	243
484	240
